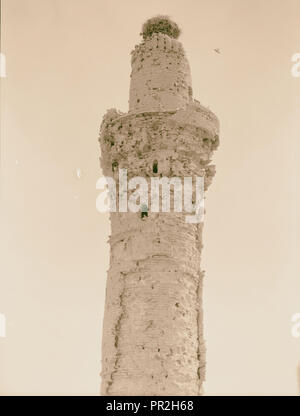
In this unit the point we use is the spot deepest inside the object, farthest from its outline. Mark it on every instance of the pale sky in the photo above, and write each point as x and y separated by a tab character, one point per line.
67	62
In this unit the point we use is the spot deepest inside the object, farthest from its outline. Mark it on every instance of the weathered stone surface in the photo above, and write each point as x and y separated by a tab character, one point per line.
160	77
153	331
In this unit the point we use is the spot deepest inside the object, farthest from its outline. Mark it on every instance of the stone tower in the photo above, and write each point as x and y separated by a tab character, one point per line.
153	331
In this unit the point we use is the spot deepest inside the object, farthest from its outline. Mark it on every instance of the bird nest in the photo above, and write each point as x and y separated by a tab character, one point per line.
160	24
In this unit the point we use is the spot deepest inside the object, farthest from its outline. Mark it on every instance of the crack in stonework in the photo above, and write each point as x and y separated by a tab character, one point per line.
201	347
117	337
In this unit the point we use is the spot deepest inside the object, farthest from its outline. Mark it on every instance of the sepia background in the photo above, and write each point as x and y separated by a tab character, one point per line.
67	62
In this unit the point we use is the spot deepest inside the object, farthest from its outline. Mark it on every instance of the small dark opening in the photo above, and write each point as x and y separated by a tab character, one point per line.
114	166
155	166
144	211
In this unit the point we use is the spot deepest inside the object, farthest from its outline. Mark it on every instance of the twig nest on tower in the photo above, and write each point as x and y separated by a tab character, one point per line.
160	24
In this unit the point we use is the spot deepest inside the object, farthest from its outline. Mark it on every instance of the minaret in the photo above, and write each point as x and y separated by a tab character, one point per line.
153	330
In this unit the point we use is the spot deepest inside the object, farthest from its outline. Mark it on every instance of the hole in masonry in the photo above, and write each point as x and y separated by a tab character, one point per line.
155	166
114	165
